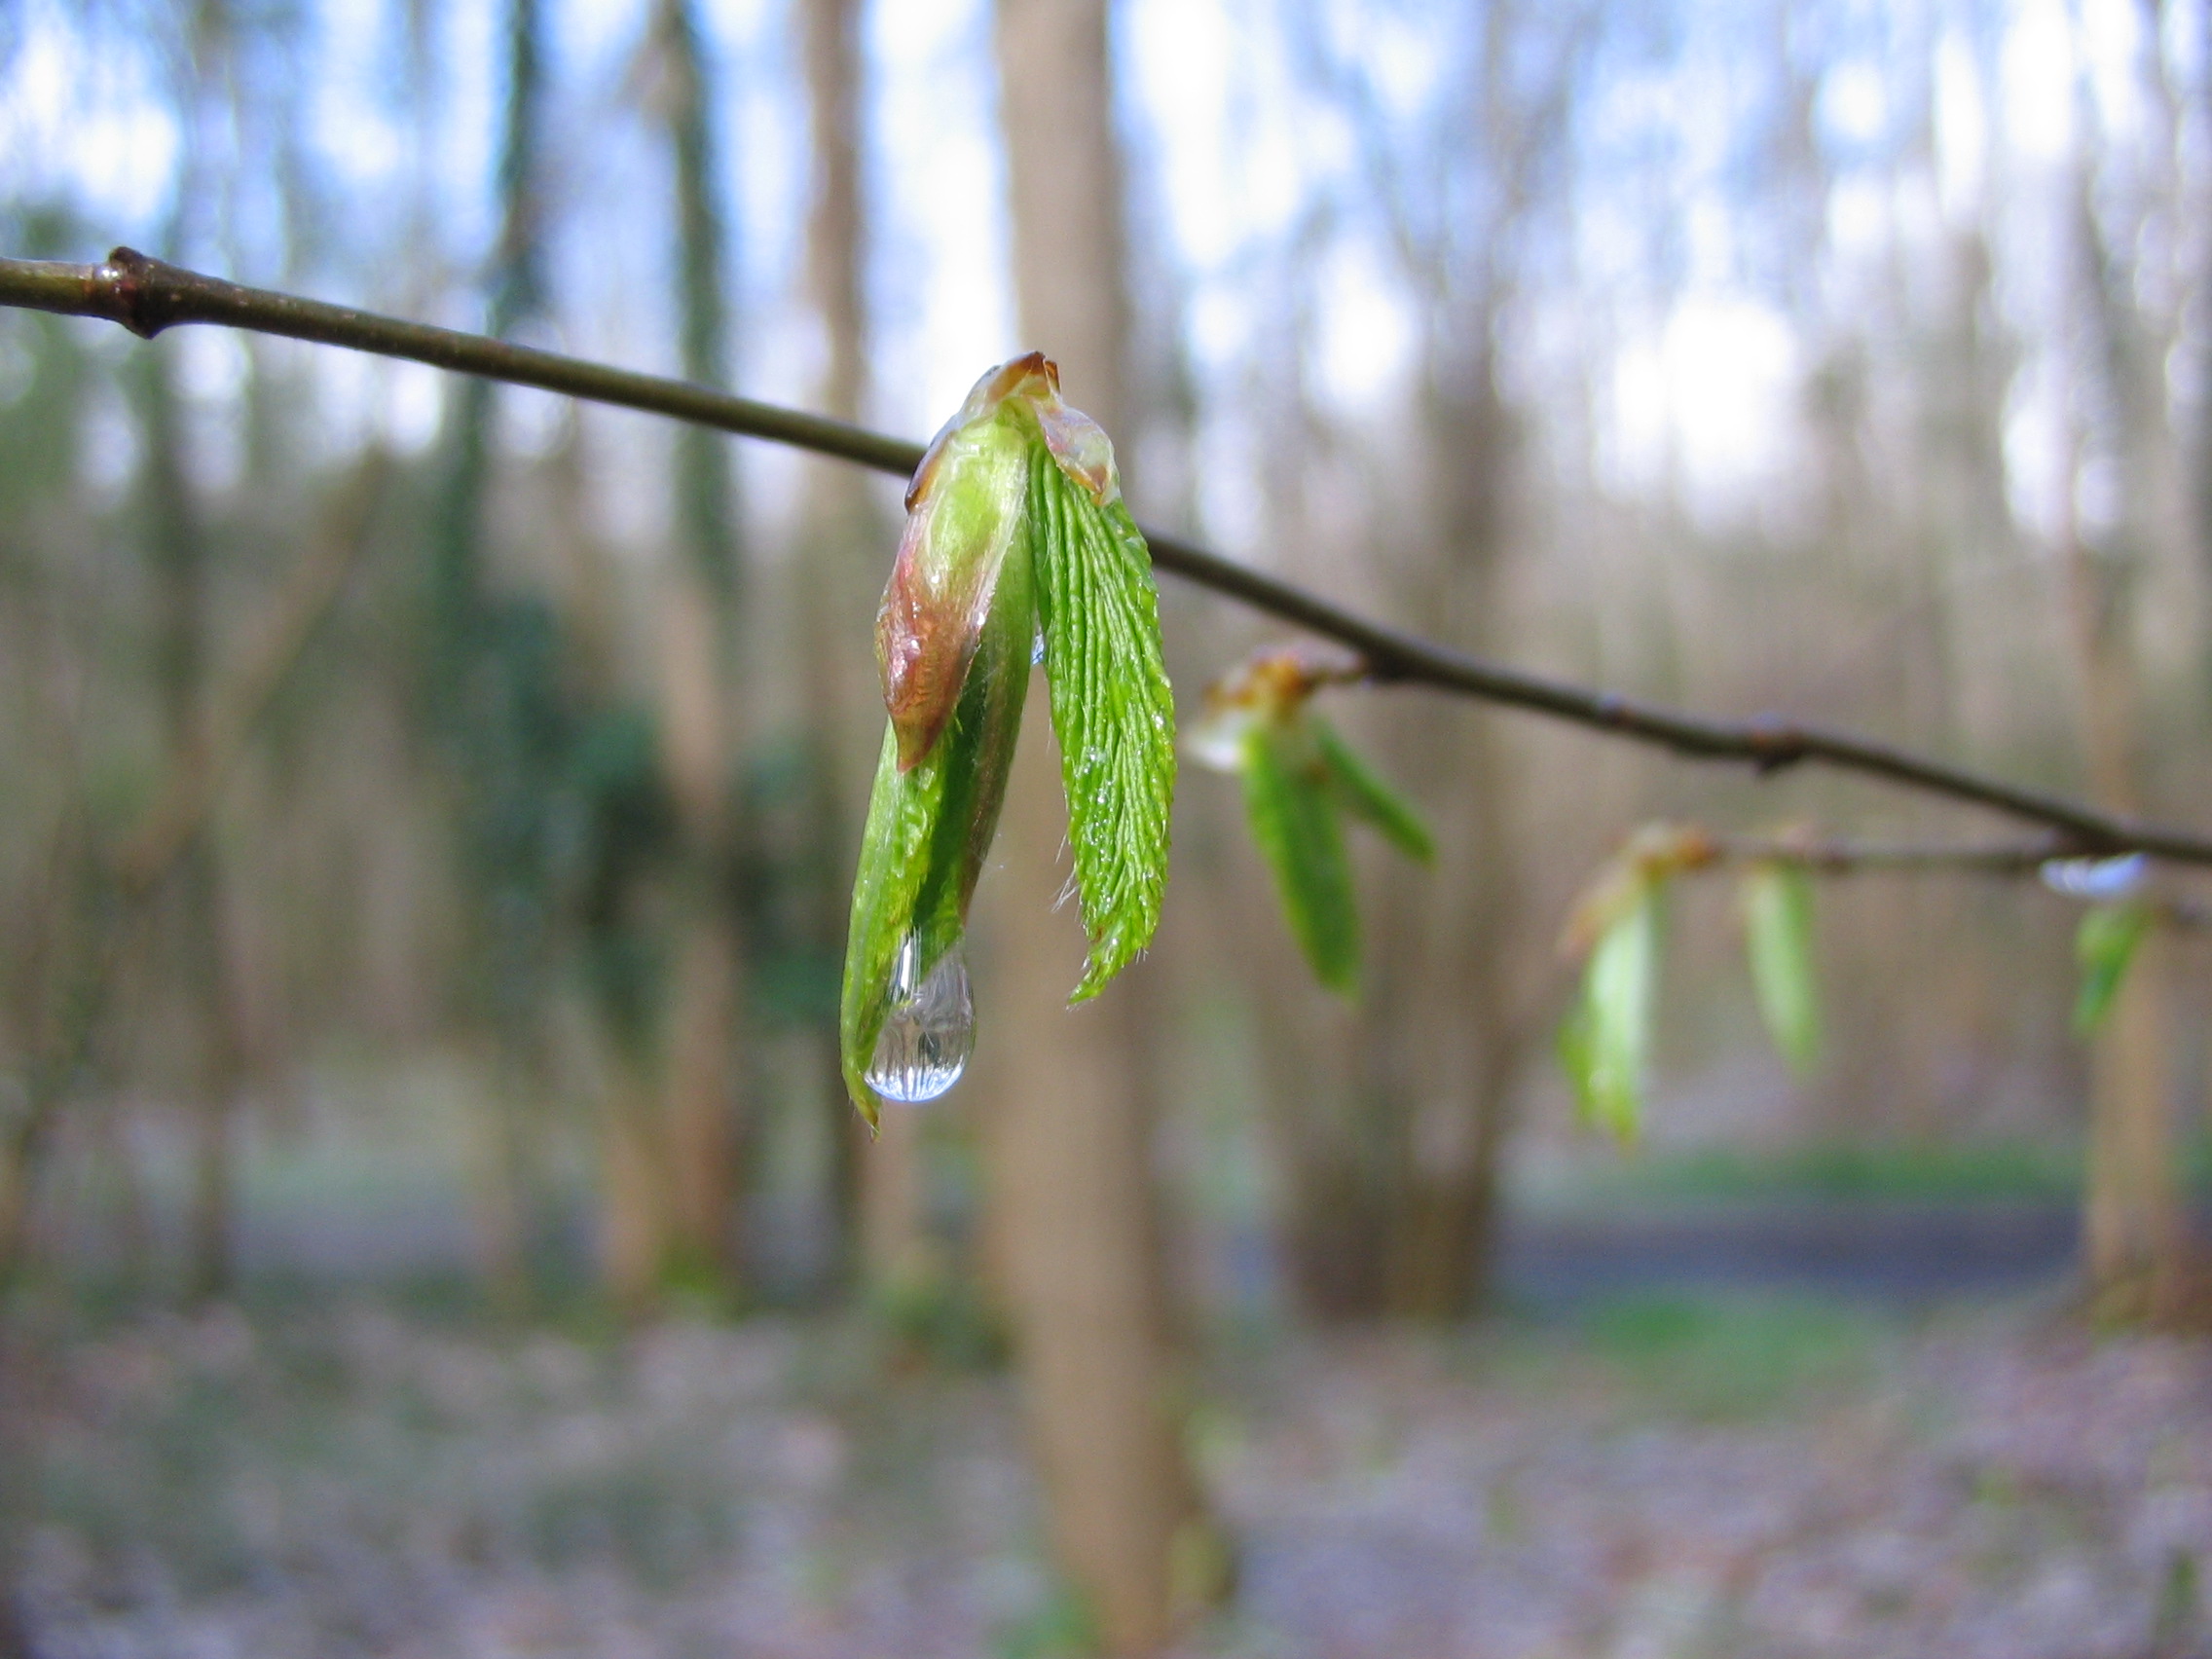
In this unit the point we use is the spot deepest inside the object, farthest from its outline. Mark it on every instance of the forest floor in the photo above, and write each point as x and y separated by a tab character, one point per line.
1719	1474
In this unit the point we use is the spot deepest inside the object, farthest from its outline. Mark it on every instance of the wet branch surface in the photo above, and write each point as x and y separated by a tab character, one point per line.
147	296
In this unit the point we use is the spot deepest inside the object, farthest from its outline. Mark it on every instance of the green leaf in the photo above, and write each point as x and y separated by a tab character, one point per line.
1365	795
1294	820
930	828
1112	712
2103	946
1778	943
1606	1040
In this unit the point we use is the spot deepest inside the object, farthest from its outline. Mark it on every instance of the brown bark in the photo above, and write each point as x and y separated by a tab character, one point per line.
894	1240
1408	1175
1074	1226
697	1186
835	243
1458	988
700	1077
182	559
2131	1218
702	1125
636	1232
2200	473
1396	1168
209	1260
19	1162
1075	1244
2131	1228
500	1179
1064	183
2135	1244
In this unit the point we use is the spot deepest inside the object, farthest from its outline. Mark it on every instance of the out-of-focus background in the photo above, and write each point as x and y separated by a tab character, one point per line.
431	1217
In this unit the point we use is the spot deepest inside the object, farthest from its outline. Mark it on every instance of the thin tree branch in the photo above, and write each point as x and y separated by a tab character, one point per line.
1830	855
146	296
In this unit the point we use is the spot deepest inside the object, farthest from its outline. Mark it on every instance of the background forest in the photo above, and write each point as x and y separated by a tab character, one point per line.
432	1217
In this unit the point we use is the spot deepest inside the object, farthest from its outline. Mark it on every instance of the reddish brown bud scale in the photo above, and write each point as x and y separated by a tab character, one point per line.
963	510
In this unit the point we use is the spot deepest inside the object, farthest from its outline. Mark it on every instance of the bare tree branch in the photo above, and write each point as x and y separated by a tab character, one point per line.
146	296
1832	854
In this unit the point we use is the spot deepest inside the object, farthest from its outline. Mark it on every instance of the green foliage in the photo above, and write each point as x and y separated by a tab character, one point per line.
1061	1627
1112	712
1301	781
1606	1040
791	881
930	826
46	379
624	828
1294	821
1777	902
1729	1358
1360	792
941	1320
1873	1171
2104	946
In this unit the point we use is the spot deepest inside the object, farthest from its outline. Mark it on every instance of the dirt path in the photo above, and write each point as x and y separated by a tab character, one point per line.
1665	1477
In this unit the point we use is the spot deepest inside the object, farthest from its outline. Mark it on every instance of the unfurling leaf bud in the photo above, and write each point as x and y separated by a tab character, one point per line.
1301	780
2104	946
1605	1042
1015	531
1777	906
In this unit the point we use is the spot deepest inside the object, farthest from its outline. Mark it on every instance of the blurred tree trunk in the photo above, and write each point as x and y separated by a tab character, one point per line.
487	707
2200	474
2131	1219
701	700
2132	1232
1394	1190
1075	1232
1395	1199
2131	1223
635	1220
846	545
176	537
1465	1008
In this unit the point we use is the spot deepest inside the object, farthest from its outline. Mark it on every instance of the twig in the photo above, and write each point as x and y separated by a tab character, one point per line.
146	296
1829	855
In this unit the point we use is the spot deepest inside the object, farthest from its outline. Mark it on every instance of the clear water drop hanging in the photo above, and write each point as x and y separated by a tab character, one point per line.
928	1030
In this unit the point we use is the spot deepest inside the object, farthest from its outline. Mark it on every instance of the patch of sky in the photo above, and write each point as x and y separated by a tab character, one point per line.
1368	336
2038	81
1706	402
1854	104
1962	127
939	286
91	129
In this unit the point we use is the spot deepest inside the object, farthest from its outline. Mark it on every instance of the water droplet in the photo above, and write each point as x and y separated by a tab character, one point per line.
929	1031
2103	880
